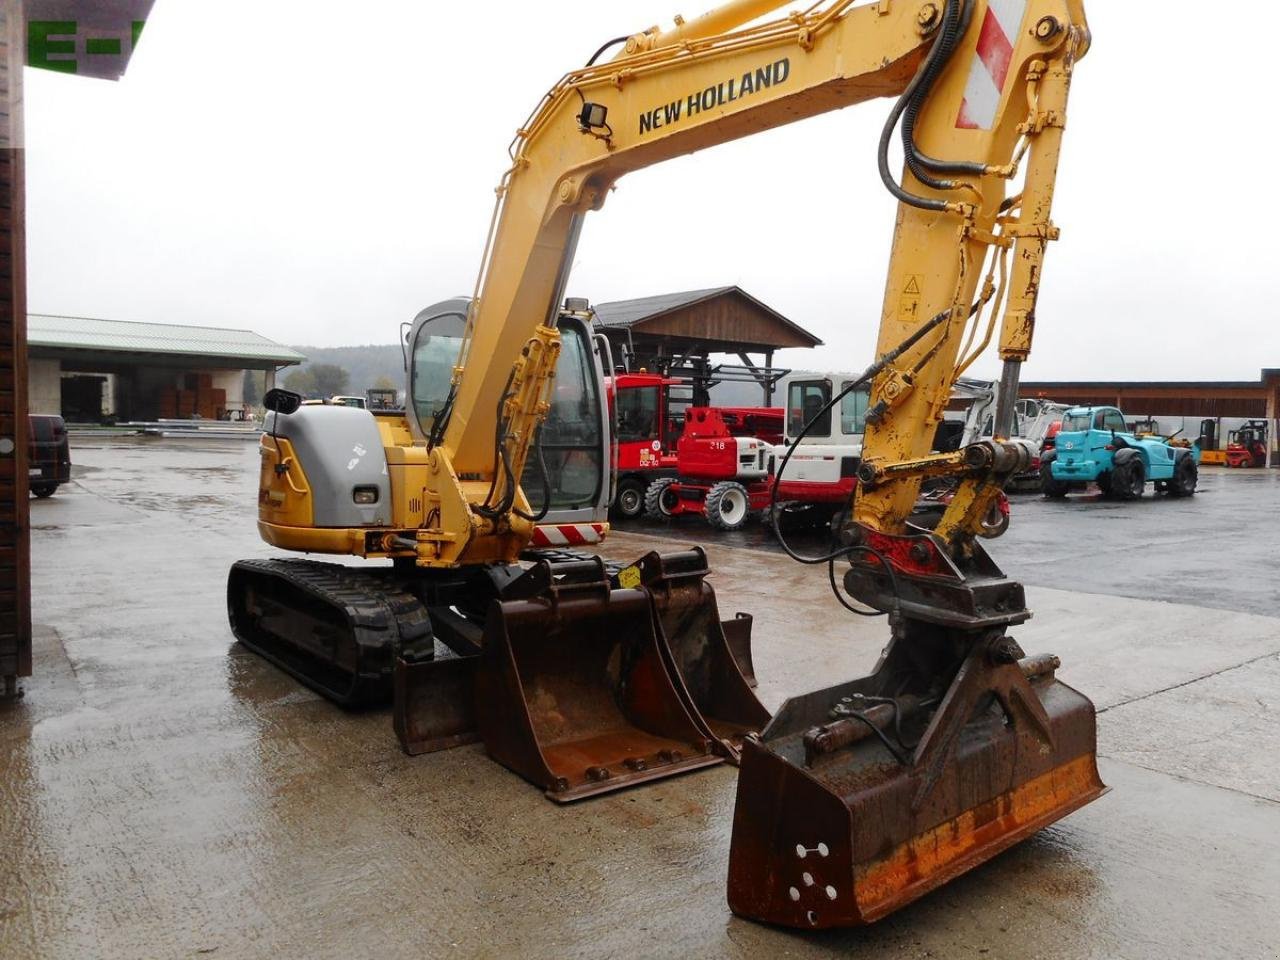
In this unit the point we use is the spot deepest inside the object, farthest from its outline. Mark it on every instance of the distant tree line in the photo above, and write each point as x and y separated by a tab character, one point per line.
317	381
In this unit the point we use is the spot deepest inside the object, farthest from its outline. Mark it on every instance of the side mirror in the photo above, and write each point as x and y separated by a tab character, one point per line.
282	401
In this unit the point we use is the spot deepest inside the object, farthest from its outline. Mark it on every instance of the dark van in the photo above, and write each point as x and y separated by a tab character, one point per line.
50	454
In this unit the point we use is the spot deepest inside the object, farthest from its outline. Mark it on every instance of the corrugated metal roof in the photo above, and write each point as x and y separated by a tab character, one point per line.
126	336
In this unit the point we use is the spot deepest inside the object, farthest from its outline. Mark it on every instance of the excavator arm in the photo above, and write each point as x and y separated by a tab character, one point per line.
990	99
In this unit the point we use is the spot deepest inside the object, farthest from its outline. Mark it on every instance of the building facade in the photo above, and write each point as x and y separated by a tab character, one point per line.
91	370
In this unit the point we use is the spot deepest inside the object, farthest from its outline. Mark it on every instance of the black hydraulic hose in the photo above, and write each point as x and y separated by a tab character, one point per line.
941	52
956	28
897	753
863	378
499	460
546	485
596	56
831	576
935	54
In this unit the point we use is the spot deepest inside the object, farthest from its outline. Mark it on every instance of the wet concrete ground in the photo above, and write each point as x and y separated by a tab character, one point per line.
163	793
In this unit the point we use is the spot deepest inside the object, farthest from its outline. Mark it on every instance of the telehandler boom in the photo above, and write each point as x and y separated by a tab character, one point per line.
855	799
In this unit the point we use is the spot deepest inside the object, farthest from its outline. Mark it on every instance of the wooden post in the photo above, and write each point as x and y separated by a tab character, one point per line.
15	556
1271	425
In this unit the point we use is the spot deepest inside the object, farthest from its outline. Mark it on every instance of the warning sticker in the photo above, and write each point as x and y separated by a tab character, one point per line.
909	302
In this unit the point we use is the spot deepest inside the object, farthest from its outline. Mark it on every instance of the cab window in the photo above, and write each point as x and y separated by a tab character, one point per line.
1114	420
435	353
853	411
637	409
805	400
570	437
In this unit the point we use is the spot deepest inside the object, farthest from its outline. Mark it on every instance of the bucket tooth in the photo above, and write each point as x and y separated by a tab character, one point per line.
695	647
572	689
860	798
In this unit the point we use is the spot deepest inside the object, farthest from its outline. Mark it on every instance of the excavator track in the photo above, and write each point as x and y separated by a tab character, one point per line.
337	629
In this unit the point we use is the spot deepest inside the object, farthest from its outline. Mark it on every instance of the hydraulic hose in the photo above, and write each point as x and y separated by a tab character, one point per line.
917	162
605	46
956	18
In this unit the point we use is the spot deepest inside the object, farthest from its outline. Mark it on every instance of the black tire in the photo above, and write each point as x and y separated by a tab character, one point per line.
1104	484
1051	488
728	505
628	502
1185	477
1128	478
659	499
43	490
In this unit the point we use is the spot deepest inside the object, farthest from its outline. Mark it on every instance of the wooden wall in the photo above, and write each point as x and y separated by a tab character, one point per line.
15	580
730	319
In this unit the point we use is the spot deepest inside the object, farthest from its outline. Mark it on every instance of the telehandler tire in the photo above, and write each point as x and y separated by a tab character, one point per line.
1185	477
1128	479
1051	488
629	502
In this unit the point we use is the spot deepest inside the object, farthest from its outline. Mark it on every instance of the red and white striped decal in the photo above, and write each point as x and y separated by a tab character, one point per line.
990	69
568	534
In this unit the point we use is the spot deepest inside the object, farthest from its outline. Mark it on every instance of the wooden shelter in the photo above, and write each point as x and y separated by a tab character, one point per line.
680	331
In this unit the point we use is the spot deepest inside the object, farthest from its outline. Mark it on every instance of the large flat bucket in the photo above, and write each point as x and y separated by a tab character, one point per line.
572	690
854	803
694	643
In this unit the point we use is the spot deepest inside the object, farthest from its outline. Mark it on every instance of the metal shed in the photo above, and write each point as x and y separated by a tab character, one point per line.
87	368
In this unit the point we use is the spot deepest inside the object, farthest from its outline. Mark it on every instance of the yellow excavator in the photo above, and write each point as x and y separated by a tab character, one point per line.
852	800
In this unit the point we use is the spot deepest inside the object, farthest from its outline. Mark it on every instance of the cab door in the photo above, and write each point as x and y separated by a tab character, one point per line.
574	438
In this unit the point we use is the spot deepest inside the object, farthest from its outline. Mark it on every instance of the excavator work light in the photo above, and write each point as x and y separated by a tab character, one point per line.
592	116
365	495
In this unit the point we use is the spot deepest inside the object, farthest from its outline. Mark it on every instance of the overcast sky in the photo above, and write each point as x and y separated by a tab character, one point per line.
319	171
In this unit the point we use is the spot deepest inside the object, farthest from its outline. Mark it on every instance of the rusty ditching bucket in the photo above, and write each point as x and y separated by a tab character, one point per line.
862	797
704	667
